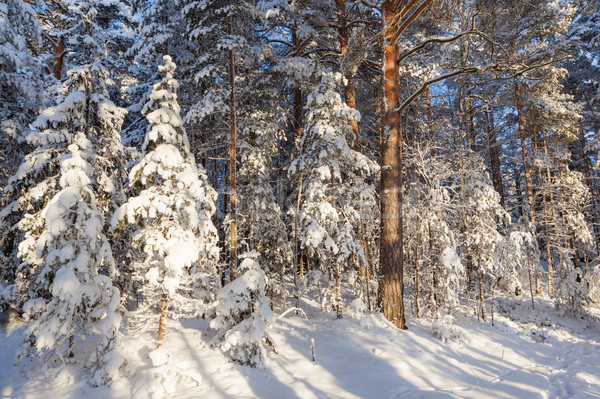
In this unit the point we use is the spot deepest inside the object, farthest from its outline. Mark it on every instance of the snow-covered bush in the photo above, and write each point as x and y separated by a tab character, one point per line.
243	316
571	291
592	278
446	330
164	378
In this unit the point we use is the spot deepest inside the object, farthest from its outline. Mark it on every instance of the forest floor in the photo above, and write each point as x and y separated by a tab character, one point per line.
526	353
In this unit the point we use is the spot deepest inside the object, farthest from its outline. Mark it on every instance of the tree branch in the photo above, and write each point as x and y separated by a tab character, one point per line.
448	40
425	85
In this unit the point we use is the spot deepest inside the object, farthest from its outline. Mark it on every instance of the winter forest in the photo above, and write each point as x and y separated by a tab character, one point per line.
299	198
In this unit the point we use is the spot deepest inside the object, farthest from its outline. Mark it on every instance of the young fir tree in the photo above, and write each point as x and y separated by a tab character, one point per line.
328	171
170	212
243	316
77	296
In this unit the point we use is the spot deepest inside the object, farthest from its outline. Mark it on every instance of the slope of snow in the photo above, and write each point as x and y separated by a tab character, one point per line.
531	354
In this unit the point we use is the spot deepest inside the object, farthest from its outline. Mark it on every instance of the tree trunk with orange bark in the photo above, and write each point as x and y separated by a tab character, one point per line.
343	37
392	284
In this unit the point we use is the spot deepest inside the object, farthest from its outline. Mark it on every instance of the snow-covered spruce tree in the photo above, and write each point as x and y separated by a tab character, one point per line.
517	255
328	170
76	263
22	84
170	213
34	183
574	233
86	107
243	316
160	31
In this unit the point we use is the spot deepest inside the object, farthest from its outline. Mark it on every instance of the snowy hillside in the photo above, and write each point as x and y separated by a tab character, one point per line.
536	354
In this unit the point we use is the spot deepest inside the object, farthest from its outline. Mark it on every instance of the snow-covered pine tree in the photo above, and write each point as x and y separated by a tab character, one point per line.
243	315
328	170
79	298
170	213
260	218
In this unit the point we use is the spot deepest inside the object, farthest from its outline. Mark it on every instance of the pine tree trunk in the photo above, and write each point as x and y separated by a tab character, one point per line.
494	155
526	169
549	253
161	321
483	316
417	282
59	57
343	36
392	282
232	170
517	179
429	119
338	293
297	122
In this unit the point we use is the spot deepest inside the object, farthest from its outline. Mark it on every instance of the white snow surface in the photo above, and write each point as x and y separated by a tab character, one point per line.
532	354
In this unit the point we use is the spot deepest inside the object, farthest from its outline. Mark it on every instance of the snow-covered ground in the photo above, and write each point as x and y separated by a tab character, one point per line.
531	354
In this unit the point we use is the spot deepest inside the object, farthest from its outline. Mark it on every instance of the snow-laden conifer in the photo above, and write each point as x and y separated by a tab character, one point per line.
78	297
170	212
34	183
22	79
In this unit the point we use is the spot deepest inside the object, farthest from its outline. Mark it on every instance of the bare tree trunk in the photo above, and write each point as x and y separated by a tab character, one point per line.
494	155
526	170
161	321
232	170
483	316
343	36
59	57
